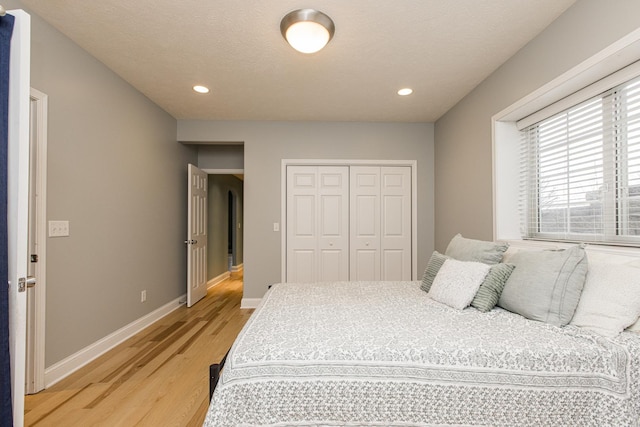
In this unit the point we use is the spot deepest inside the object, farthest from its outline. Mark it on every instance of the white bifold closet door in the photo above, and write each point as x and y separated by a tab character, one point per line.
317	223
380	223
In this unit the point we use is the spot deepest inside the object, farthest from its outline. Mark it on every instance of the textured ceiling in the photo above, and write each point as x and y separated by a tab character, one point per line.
440	48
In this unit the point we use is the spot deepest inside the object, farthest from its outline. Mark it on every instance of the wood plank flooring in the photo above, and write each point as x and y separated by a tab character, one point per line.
159	377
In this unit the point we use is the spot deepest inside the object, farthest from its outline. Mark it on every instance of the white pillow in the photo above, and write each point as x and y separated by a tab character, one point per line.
634	328
457	282
610	300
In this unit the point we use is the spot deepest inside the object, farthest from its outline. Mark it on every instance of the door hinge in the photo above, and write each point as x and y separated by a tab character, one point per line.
34	258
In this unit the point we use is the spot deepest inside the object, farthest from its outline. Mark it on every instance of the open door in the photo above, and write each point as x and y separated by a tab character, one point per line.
18	204
197	236
37	242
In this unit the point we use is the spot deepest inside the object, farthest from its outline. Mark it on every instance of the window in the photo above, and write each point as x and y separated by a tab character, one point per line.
580	177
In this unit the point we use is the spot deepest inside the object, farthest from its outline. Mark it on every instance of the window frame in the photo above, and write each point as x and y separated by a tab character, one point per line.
615	218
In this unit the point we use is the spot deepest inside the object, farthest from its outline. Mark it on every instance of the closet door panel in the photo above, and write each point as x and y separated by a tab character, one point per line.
332	265
365	222
333	223
392	264
317	223
301	231
395	193
365	265
303	266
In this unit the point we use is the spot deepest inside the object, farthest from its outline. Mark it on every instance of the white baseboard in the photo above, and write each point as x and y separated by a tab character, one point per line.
66	367
237	268
250	302
219	279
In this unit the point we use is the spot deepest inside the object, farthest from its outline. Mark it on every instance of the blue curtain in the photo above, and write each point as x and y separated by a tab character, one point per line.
6	29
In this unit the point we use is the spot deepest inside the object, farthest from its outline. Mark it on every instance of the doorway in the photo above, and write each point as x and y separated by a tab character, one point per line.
224	165
224	241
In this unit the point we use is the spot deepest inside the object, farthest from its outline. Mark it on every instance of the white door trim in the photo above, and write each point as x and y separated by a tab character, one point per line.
35	370
413	164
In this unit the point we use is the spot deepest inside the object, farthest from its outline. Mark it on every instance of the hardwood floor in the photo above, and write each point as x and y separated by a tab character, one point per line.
159	377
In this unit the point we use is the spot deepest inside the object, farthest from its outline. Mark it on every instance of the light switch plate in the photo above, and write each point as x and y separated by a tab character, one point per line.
58	228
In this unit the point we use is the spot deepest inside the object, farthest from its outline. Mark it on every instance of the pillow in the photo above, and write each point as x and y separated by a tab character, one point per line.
511	251
435	262
492	286
610	300
457	282
546	285
475	250
490	289
634	328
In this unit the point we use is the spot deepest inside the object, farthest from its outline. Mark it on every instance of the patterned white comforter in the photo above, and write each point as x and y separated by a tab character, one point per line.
383	353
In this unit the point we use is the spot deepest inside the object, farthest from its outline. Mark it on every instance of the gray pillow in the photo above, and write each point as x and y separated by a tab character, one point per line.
490	289
435	262
464	249
492	286
546	285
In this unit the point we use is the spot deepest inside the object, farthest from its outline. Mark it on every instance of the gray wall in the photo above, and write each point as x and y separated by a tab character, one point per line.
463	172
267	143
221	156
116	172
218	230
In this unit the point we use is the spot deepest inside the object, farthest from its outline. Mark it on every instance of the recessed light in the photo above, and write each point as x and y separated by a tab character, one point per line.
201	89
404	92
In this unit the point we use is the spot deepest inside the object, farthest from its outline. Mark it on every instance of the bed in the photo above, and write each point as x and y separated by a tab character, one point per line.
384	353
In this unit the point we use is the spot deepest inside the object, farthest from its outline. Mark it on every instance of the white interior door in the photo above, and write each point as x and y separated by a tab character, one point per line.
18	204
37	242
301	223
333	223
365	223
381	244
395	223
317	223
197	236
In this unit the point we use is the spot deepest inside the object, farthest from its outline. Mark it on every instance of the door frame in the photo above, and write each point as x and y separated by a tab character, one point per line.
36	332
233	226
413	164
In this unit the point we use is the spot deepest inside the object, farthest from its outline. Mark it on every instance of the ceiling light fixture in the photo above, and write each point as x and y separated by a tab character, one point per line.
307	30
201	89
406	91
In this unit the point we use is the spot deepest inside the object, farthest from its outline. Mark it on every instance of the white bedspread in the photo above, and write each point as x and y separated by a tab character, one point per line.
383	353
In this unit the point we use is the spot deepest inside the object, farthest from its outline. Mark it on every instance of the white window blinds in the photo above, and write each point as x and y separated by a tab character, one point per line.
580	168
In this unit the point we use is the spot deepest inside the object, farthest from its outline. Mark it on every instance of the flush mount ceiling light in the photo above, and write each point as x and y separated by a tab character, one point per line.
201	89
307	30
406	91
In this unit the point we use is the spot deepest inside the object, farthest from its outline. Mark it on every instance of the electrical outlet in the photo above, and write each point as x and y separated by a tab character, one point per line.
143	296
58	228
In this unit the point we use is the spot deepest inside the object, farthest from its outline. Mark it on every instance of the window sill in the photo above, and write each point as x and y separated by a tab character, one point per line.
625	251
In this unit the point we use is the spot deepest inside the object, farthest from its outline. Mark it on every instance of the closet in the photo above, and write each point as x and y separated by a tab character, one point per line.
348	222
